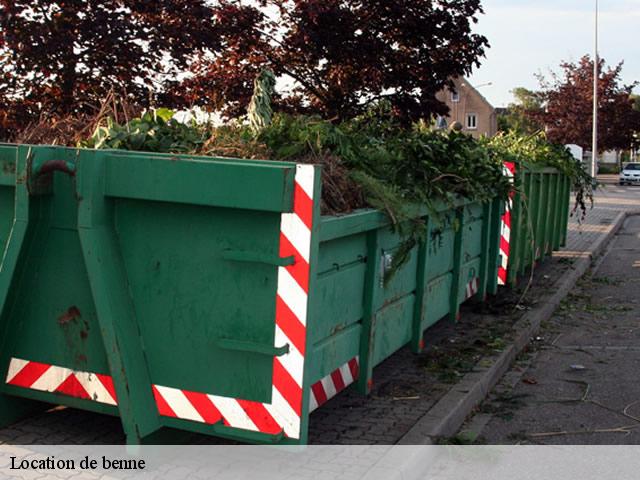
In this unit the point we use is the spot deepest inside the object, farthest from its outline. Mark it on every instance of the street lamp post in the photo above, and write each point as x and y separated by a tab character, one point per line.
596	74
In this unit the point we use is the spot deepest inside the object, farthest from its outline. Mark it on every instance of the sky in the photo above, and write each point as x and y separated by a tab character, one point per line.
534	36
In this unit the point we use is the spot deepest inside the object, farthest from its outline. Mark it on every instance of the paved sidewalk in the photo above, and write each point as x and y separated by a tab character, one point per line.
580	384
610	201
406	386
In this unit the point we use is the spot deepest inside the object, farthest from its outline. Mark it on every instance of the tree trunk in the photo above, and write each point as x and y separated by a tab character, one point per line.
68	73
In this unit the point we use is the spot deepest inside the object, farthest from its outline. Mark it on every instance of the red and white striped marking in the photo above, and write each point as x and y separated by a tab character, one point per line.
48	378
505	233
285	409
197	407
472	288
327	388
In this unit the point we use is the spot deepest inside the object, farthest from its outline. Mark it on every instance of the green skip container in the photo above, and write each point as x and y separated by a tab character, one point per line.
536	219
210	295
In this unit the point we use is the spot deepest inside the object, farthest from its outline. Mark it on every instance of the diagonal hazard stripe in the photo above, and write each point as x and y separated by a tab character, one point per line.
233	412
15	365
261	417
282	412
50	380
504	257
506	232
292	362
297	233
332	384
504	245
354	367
303	206
338	381
313	403
511	167
319	393
290	325
346	374
107	382
329	387
163	407
72	387
300	269
292	294
94	387
204	406
506	218
28	374
178	402
305	176
287	386
502	275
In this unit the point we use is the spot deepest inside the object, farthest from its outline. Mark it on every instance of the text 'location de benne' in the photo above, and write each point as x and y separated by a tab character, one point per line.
53	463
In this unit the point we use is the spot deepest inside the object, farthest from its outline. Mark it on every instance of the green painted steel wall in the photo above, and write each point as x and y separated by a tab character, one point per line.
539	219
358	313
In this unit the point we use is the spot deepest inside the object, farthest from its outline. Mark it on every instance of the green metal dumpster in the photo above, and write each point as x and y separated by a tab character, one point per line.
535	221
210	295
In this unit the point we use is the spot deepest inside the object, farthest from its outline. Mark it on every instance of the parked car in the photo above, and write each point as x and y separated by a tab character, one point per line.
630	174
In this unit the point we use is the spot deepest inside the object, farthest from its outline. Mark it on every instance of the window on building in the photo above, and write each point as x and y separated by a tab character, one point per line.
472	121
455	97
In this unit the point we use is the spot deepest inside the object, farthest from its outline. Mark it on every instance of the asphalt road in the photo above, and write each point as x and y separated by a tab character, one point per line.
579	384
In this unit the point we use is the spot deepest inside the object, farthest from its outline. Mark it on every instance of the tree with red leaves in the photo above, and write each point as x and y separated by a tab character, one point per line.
63	56
568	106
337	57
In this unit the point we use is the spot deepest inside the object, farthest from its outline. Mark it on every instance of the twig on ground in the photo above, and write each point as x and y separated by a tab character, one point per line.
582	398
624	429
623	412
626	413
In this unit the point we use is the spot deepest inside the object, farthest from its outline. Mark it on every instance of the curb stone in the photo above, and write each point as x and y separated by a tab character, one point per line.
446	417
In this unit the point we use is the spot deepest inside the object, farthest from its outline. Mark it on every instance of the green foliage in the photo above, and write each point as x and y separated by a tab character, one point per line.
519	116
417	165
535	151
156	131
397	168
393	167
293	137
